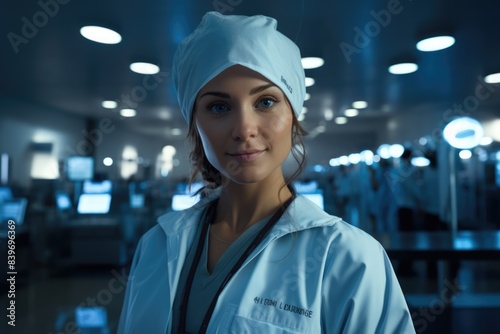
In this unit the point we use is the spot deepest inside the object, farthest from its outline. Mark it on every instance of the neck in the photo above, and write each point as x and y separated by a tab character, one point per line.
241	205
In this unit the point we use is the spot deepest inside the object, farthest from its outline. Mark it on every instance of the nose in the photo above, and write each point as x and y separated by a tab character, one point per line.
245	123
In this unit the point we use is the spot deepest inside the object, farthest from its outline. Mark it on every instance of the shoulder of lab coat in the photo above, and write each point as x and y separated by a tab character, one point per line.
356	284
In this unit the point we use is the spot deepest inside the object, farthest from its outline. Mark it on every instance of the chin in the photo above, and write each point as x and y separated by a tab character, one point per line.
245	178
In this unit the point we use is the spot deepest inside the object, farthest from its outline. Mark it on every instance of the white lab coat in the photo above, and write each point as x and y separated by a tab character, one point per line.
313	273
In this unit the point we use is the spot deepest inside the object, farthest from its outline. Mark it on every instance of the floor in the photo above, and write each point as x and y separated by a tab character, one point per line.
470	304
46	299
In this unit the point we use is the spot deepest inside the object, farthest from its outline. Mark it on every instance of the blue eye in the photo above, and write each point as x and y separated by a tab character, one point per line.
266	103
217	108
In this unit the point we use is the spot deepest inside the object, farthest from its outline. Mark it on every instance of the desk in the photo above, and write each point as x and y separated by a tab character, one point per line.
442	247
467	245
95	241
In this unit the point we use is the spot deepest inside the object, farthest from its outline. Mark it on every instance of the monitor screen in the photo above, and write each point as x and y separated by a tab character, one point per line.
97	187
5	194
63	202
14	209
183	201
80	168
316	197
137	201
94	203
497	170
91	317
305	187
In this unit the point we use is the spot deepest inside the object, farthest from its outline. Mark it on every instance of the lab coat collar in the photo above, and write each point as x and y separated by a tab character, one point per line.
300	215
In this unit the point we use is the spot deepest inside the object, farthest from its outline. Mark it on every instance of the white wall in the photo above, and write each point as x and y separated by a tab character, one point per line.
22	123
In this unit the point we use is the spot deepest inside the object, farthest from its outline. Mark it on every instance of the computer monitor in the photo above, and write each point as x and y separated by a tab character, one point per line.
97	187
91	317
497	173
137	201
94	204
79	168
14	209
302	187
184	201
5	194
310	190
63	202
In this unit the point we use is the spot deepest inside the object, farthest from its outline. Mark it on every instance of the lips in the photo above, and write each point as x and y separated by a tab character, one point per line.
247	155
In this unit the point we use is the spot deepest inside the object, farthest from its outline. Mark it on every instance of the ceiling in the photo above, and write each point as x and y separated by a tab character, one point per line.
54	66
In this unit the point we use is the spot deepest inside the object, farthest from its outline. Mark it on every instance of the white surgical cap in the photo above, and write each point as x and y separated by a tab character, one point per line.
221	41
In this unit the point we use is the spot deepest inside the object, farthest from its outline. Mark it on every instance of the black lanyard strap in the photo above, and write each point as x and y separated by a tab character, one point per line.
185	293
255	242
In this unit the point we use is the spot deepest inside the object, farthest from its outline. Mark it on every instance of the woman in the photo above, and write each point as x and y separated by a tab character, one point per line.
253	256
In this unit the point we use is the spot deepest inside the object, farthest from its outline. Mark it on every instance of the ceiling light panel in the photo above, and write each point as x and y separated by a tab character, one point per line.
100	35
144	68
403	68
435	43
312	62
493	78
359	104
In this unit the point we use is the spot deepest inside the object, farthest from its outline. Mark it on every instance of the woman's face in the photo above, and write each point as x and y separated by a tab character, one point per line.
245	124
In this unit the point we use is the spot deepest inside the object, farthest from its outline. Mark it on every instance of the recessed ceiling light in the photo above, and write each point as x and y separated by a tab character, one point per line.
301	117
304	110
334	162
101	35
465	154
344	160
128	112
493	78
328	114
420	162
366	156
354	158
384	151
309	82
307	97
107	161
341	120
435	43
176	132
351	112
403	68
144	68
312	62
359	104
396	150
109	104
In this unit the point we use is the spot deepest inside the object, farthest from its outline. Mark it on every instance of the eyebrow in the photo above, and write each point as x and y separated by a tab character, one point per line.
252	91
